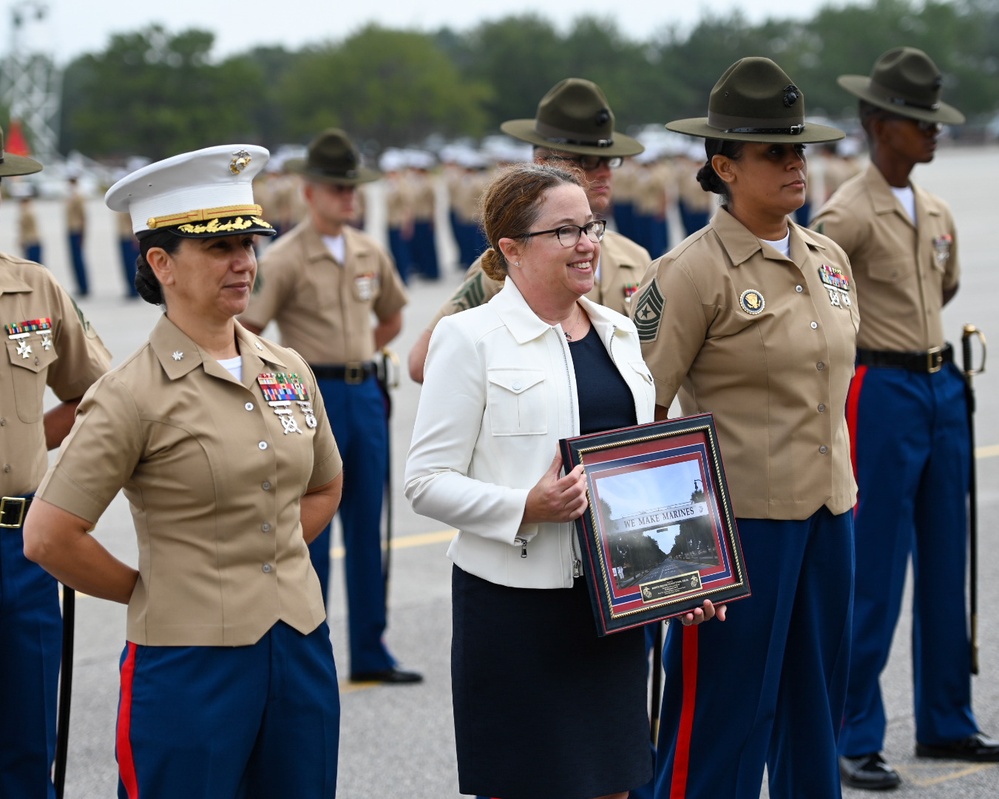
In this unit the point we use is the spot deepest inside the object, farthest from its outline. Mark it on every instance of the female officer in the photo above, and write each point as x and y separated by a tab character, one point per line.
754	319
221	444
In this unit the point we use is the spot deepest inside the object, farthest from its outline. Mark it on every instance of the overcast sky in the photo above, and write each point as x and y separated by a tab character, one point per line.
69	28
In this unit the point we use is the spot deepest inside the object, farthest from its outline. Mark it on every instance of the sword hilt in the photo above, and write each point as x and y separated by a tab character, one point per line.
968	334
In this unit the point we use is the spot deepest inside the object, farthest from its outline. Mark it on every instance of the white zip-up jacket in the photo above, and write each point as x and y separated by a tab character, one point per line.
499	393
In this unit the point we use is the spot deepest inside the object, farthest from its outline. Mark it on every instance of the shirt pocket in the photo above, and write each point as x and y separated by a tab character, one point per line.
517	402
890	269
29	362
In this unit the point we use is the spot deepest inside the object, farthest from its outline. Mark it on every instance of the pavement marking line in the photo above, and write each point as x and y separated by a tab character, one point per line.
935	777
407	541
987	452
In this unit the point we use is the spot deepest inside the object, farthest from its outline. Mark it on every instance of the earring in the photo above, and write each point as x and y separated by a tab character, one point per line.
516	263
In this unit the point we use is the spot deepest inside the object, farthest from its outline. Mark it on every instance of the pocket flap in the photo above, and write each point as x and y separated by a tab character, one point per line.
516	381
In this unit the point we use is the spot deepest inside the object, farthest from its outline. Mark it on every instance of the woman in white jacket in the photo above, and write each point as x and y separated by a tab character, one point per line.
543	707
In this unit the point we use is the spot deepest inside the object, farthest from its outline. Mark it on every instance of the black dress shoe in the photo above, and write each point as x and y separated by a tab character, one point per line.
869	772
393	675
976	748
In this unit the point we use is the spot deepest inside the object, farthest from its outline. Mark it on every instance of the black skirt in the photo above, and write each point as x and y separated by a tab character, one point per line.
543	707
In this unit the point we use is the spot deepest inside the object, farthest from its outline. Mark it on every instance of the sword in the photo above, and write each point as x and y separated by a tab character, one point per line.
388	378
969	333
65	689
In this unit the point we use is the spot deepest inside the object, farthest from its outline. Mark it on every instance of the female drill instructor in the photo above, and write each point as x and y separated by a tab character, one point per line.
220	442
543	707
754	319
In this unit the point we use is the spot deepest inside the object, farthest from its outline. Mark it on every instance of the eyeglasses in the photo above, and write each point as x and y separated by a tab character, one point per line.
569	235
589	162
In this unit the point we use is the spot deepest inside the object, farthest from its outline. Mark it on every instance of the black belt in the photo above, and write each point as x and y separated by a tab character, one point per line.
13	511
348	372
927	362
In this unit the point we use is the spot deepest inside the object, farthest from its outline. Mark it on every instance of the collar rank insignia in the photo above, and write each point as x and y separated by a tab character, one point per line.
752	302
837	284
941	248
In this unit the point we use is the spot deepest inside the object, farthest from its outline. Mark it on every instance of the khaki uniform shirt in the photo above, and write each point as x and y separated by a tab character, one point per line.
689	190
466	194
626	178
123	224
76	214
27	225
767	345
423	186
62	351
398	202
214	474
622	264
901	269
324	308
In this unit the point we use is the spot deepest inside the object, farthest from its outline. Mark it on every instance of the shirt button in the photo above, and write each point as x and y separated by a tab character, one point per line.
262	445
516	386
266	485
823	450
249	406
3	422
266	527
799	289
814	325
820	366
266	568
6	468
822	407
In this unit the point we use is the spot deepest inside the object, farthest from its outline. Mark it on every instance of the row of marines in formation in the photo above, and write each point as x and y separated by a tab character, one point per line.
819	351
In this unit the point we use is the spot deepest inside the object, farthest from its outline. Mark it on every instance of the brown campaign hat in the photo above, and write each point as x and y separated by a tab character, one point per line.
755	100
11	165
907	82
332	158
574	117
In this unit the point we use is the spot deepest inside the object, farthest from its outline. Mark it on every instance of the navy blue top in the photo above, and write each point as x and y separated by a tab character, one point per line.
605	401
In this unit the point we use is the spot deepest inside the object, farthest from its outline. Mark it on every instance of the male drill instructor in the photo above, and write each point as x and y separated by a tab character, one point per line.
908	424
49	343
322	282
573	125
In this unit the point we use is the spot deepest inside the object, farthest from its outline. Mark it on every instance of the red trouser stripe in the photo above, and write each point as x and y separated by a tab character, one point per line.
852	404
681	757
126	765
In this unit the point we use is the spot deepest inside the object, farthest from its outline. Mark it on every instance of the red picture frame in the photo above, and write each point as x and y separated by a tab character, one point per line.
659	536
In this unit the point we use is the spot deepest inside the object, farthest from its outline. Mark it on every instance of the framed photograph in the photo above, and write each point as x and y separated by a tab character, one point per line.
659	536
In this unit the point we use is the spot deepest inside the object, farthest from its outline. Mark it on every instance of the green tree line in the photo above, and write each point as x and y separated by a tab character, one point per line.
154	92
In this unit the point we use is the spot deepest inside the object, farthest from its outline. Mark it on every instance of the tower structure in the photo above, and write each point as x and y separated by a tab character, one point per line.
30	82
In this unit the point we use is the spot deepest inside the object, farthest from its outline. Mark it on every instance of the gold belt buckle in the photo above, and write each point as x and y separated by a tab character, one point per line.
934	360
11	502
353	373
